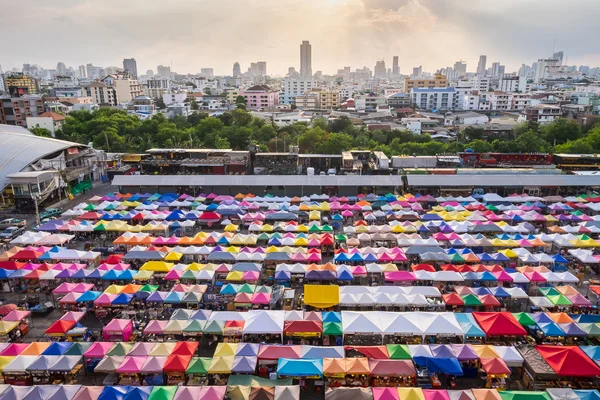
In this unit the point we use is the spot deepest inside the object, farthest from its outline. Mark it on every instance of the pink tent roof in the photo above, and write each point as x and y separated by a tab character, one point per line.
576	299
73	316
155	327
83	287
399	276
118	325
211	392
359	270
131	365
385	393
14	349
154	365
261	298
181	288
16	315
98	349
64	288
435	394
88	393
141	349
534	276
502	276
173	275
251	276
400	257
70	298
105	299
190	392
314	257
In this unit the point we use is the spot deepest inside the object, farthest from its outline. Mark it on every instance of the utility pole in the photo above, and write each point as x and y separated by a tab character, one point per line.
37	209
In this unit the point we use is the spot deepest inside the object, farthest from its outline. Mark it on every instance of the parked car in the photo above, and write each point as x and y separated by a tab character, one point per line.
5	223
12	232
51	212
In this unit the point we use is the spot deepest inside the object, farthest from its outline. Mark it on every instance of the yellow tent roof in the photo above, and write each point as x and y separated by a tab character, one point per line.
143	275
232	249
7	326
550	218
221	365
406	393
195	266
174	256
302	228
157	266
163	349
321	296
226	349
235	276
509	253
231	228
485	351
114	289
301	242
4	360
266	228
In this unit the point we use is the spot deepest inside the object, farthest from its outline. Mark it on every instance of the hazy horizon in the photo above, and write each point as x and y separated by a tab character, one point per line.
192	35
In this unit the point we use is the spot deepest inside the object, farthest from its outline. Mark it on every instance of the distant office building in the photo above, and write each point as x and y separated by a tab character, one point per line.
417	71
208	73
495	69
544	67
395	66
305	60
130	65
262	68
94	72
292	87
237	70
460	67
481	65
380	70
559	55
61	69
82	72
438	81
156	87
163	71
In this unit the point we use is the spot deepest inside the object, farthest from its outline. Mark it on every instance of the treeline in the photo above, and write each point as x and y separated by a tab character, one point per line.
116	131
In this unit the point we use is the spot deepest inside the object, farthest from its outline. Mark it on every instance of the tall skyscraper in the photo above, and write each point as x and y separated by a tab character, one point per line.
237	71
481	65
130	65
495	69
82	72
262	68
560	56
417	71
61	69
305	60
380	70
208	73
460	67
395	67
163	71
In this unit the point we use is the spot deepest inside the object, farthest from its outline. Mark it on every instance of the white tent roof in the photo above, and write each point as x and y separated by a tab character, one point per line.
516	293
361	322
264	322
19	364
448	276
566	277
420	350
541	301
287	392
510	355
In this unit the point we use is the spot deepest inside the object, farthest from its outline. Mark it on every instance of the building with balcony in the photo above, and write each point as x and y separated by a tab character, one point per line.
438	99
542	114
260	96
438	81
142	106
20	84
102	94
16	110
501	101
319	99
156	87
43	169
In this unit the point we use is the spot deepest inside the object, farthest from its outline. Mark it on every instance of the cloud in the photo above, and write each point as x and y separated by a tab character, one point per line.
192	34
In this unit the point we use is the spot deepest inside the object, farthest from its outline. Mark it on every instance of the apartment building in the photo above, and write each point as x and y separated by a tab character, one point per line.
434	98
438	81
542	114
16	110
260	96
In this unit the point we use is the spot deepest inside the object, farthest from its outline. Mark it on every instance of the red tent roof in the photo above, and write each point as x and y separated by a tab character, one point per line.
177	363
292	327
12	265
489	300
372	352
273	352
26	255
453	299
185	348
499	324
495	366
60	327
568	361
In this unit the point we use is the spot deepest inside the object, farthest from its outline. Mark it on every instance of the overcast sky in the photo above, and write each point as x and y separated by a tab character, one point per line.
191	34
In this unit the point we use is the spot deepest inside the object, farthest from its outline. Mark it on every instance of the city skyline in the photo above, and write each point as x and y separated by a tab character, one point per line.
342	32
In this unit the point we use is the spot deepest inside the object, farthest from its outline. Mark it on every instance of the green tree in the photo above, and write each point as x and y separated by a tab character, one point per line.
240	100
480	146
194	105
530	142
320	122
342	124
43	132
472	133
241	117
310	140
222	143
160	104
335	143
561	130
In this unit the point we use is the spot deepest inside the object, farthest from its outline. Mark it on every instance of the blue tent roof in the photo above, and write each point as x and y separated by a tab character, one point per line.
90	295
127	274
283	276
113	392
174	297
57	348
138	393
431	217
586	318
5	273
111	275
345	276
501	257
332	316
572	329
228	289
337	217
551	329
470	276
156	297
541	318
449	366
341	257
472	330
500	292
559	259
122	299
487	276
247	349
481	291
370	258
299	367
211	207
95	274
356	257
593	394
80	274
485	257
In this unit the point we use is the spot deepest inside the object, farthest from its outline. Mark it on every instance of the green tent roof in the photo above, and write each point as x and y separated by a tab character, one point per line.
163	393
77	349
332	328
189	274
398	352
255	381
120	349
471	300
559	300
214	327
523	395
591	329
246	288
195	326
341	238
149	288
524	318
549	291
198	365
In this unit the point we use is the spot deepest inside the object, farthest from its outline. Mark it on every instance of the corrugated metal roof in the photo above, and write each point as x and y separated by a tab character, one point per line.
20	148
508	180
257	180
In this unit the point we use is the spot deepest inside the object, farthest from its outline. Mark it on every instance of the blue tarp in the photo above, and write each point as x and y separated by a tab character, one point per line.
113	392
588	394
550	329
123	299
299	367
89	296
138	393
5	273
449	366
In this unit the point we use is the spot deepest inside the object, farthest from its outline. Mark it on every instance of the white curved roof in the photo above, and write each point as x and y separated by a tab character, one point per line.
20	148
